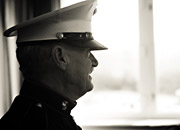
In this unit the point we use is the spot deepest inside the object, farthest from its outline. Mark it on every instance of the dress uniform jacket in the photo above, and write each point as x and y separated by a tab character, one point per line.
38	108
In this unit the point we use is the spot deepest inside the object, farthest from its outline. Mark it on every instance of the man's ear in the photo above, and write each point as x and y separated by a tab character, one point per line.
59	57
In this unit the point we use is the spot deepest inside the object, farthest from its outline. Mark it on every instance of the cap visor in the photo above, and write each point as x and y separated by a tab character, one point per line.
94	45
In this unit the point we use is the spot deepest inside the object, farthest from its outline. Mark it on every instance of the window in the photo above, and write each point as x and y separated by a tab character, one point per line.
115	80
138	77
166	31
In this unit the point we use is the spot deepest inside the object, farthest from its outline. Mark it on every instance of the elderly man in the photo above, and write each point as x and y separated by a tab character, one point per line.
54	53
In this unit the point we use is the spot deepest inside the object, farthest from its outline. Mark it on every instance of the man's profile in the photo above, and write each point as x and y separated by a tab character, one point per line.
54	53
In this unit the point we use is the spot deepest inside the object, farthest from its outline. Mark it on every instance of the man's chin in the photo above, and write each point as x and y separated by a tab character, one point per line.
89	88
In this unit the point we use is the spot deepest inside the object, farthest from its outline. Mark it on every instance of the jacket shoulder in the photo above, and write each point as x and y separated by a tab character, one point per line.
25	113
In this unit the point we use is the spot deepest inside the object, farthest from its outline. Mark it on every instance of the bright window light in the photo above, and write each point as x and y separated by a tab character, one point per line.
117	92
115	80
167	46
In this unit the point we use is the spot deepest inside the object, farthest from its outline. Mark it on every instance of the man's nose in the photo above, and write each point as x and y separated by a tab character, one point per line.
94	61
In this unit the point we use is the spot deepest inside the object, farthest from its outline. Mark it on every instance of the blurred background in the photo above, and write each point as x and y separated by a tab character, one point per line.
137	81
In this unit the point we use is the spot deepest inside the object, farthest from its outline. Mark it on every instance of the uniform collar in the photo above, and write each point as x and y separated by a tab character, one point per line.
47	96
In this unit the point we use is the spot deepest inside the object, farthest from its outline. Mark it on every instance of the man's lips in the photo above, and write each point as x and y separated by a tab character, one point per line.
90	77
91	70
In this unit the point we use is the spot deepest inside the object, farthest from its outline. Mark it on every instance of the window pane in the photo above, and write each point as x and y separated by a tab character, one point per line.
115	80
167	46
